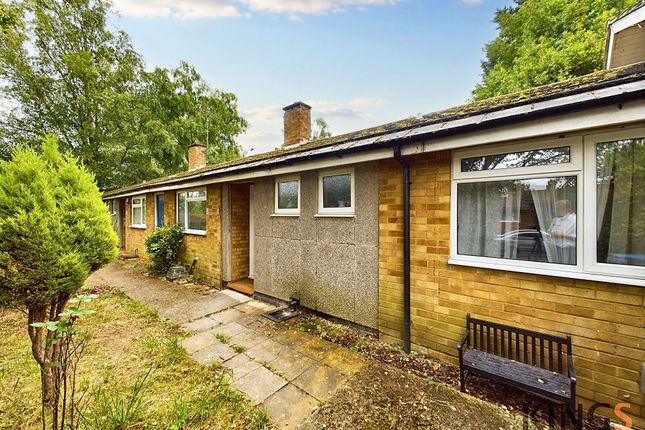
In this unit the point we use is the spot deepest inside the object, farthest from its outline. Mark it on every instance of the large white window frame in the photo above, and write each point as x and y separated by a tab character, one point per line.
138	202
191	199
290	211
582	165
331	211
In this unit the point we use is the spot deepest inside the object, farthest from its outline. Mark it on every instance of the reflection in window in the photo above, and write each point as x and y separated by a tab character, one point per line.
287	195
512	160
527	219
337	191
191	211
621	202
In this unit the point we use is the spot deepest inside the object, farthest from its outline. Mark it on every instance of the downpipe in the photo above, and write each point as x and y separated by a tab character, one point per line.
407	323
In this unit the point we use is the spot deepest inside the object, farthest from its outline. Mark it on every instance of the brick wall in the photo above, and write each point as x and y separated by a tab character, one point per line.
607	321
239	231
135	237
206	247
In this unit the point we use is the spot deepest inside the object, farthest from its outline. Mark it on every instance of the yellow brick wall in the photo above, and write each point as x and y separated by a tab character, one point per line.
135	237
606	321
207	247
239	231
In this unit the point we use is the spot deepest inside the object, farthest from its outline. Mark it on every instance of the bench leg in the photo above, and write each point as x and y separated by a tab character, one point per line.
462	380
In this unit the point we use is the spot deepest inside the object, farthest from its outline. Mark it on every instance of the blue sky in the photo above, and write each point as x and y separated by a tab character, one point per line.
358	63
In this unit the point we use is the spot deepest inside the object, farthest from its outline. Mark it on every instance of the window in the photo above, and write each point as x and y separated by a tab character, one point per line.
287	196
617	190
191	211
569	207
159	210
139	212
336	193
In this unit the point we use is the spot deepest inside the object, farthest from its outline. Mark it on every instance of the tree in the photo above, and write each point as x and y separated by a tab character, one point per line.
545	41
320	129
65	73
54	231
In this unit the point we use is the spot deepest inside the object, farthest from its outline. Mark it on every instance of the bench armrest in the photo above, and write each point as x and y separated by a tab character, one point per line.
463	341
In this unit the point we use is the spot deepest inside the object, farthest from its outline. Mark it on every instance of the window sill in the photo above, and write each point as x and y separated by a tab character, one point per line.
338	215
195	232
613	279
295	214
139	226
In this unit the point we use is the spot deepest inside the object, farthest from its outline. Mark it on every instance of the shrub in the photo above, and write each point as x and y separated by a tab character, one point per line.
163	247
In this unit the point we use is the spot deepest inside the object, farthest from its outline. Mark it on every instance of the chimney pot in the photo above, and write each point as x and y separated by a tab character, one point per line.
297	123
196	156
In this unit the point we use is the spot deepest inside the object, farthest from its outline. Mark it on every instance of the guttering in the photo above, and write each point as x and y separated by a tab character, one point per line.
407	323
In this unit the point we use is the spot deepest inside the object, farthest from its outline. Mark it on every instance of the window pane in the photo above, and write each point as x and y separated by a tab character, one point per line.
181	210
530	219
197	215
337	191
511	160
621	202
137	215
288	195
197	194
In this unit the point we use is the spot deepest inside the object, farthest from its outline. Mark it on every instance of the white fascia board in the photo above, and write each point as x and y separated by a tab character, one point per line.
587	118
633	18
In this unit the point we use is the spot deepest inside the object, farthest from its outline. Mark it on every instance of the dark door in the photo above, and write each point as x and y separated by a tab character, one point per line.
159	203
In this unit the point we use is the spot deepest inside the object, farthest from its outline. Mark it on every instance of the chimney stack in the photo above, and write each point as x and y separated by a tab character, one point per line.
196	156
297	123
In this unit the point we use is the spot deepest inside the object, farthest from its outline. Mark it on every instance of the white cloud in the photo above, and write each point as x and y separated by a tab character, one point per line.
367	101
263	113
332	109
310	6
182	9
203	9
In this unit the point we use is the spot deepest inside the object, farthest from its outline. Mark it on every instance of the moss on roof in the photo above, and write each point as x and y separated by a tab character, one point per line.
593	81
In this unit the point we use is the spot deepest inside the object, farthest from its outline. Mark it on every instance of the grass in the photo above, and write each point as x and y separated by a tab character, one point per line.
227	341
135	371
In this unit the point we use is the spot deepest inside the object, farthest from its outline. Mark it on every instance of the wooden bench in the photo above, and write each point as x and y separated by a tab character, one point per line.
538	363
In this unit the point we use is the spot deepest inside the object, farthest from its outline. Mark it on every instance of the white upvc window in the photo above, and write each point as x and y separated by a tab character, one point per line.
192	211
287	196
138	212
336	193
562	207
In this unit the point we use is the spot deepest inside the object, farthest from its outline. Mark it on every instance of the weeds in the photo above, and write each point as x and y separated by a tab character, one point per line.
227	341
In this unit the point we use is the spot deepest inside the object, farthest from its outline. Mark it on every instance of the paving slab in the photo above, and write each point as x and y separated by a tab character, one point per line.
216	352
229	329
342	359
242	298
247	338
241	365
201	324
227	316
291	364
199	341
292	338
320	381
266	352
318	348
289	407
260	384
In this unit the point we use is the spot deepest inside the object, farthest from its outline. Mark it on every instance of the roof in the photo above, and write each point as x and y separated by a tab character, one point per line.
628	11
422	126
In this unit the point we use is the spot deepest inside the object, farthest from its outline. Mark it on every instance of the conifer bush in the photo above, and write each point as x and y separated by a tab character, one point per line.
54	231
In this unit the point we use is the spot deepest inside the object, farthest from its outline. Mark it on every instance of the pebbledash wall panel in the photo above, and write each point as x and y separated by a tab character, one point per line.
606	321
330	264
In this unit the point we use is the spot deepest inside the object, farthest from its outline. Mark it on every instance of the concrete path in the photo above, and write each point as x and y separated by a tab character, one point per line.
287	371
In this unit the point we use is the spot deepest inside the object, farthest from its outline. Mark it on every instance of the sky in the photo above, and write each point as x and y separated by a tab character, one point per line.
358	63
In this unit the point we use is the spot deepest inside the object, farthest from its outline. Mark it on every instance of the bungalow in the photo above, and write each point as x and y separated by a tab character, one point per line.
525	209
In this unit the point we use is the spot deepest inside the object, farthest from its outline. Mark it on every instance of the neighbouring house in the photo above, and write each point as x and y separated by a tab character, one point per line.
525	209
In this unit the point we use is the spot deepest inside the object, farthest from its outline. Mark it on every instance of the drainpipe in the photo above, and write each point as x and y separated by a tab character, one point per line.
406	248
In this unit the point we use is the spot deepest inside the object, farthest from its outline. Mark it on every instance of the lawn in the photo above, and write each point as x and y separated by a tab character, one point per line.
128	342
